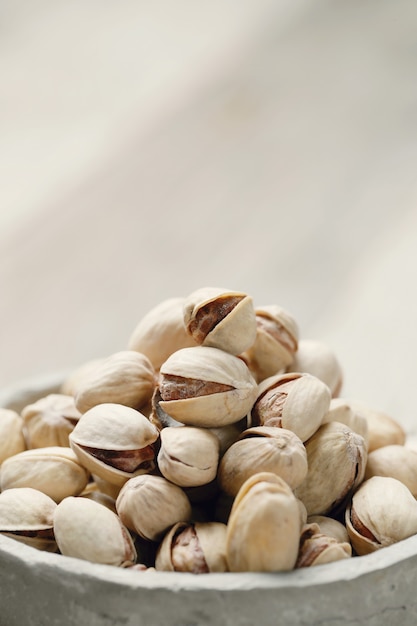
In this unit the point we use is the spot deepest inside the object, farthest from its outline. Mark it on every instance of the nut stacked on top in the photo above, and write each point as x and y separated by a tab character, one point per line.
215	442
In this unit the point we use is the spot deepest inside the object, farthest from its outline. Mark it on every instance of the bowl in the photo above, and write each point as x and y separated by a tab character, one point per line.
46	589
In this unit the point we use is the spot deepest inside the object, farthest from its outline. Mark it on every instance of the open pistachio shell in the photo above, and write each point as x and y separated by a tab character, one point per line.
395	461
316	548
115	442
264	525
316	358
221	319
12	439
50	420
330	527
205	386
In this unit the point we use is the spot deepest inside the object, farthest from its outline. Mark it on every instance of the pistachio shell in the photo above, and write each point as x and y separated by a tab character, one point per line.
85	529
12	439
221	319
263	530
317	548
72	381
55	470
330	527
383	430
341	410
395	461
316	358
50	420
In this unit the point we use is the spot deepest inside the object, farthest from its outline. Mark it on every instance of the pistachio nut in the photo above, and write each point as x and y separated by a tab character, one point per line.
317	548
383	511
330	527
26	515
275	344
318	359
264	525
396	461
12	439
294	401
336	459
76	376
85	529
205	386
161	332
341	410
188	456
220	318
149	505
126	377
114	442
196	547
55	470
50	420
383	430
263	449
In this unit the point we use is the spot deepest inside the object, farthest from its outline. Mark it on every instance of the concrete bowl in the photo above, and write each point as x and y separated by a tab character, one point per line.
43	589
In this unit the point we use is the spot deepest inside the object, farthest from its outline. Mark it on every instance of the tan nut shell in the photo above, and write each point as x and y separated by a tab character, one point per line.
212	541
161	332
149	505
111	427
235	332
341	410
24	509
12	439
296	400
318	359
50	420
383	430
264	526
385	508
188	456
211	365
55	470
316	548
263	449
336	465
395	461
76	376
275	344
125	377
330	527
85	529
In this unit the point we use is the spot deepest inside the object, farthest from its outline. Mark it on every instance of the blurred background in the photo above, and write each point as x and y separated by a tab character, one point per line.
270	146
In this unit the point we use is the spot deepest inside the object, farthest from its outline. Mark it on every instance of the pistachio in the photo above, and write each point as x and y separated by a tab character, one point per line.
161	332
264	526
149	505
294	401
336	459
317	548
316	358
55	470
341	410
26	515
383	430
77	375
50	420
275	344
205	386
220	318
396	461
114	442
198	547
188	456
382	512
330	527
12	439
85	529
263	449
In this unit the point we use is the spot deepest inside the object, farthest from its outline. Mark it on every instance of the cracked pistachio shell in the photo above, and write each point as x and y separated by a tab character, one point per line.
198	547
341	410
395	461
336	459
55	470
294	401
316	358
126	377
275	344
317	548
27	515
188	456
383	511
205	386
85	529
149	505
12	439
220	318
114	442
383	430
263	449
264	526
330	527
161	332
50	420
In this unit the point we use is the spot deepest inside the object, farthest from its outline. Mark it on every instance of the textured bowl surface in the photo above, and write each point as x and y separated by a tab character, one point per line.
43	589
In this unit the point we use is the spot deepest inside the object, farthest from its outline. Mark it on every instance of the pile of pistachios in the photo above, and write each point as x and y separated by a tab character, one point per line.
216	440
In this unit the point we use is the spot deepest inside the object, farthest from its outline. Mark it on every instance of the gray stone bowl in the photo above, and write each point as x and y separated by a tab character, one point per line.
43	589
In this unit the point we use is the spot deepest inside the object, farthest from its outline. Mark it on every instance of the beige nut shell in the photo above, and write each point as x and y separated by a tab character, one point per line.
12	439
50	420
